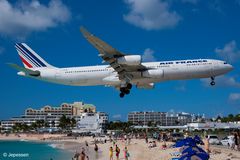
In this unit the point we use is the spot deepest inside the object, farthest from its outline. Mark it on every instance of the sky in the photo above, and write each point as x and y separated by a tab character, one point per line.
156	29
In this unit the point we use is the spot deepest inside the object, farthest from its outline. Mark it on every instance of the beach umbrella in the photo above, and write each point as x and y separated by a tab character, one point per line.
185	142
193	149
194	153
198	140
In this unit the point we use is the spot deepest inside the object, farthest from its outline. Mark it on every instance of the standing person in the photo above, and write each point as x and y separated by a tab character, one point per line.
206	144
86	143
76	156
231	142
96	150
82	155
117	150
110	153
236	141
125	153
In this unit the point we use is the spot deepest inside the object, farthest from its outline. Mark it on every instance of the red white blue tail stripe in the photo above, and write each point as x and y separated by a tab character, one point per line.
30	58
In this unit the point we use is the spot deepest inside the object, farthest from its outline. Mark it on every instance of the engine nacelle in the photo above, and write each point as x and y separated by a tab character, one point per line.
130	60
153	73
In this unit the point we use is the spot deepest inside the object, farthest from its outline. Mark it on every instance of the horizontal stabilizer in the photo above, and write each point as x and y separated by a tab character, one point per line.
25	70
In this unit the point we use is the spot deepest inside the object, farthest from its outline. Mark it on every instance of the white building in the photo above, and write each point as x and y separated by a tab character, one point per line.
51	115
91	122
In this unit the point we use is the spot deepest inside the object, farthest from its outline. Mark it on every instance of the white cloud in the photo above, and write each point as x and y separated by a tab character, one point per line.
223	81
117	116
151	14
234	97
148	55
28	16
230	52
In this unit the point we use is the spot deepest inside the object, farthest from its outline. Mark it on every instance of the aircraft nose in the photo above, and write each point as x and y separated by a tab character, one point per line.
230	67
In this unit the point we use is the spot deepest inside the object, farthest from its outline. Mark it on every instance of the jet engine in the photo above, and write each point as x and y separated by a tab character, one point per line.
130	60
153	73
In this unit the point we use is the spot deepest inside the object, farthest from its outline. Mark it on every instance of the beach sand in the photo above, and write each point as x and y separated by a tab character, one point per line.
138	149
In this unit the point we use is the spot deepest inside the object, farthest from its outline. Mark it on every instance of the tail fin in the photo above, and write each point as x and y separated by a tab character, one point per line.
30	58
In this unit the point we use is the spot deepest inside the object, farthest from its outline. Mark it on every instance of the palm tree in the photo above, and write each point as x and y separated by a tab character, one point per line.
53	124
73	122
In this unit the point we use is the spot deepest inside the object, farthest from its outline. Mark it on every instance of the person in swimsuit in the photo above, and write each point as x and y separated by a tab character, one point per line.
111	153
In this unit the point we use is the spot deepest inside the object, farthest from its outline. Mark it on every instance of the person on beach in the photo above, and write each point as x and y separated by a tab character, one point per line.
236	141
86	143
125	153
82	155
164	146
238	133
206	144
96	150
110	153
117	150
76	156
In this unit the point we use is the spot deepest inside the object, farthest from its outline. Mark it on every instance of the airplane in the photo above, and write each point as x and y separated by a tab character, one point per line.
122	72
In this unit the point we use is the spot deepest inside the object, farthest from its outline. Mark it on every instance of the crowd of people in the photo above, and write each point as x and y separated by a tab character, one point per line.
116	152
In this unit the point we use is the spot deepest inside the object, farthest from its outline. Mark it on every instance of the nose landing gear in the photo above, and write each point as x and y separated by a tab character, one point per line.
212	81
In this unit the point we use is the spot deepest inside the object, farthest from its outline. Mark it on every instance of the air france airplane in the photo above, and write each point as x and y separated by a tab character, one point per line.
122	72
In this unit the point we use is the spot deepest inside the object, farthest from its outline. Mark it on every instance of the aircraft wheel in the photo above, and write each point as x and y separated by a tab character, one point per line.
121	95
212	83
127	91
129	86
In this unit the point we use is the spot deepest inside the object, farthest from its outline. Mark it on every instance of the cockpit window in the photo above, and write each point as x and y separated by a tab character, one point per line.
225	62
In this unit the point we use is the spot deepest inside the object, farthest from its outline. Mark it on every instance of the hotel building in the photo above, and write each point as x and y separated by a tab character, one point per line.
51	115
160	118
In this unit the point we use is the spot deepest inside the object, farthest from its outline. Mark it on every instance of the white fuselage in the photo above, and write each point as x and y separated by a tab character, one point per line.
157	72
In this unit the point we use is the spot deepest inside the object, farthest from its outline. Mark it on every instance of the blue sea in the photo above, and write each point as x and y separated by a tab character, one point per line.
24	150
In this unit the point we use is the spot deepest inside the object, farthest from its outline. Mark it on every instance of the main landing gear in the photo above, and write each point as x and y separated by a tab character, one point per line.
212	81
125	90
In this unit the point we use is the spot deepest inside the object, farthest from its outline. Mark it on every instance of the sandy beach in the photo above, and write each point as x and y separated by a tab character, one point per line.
138	149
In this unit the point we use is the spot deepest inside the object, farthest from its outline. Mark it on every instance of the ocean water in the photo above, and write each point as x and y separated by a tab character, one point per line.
24	150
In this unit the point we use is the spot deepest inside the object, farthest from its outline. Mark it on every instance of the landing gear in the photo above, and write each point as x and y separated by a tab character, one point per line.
129	86
212	82
121	95
125	90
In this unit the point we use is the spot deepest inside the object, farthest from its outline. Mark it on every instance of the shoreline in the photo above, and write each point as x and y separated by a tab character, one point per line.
138	149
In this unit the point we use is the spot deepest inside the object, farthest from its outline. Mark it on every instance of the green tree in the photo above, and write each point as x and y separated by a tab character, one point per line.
34	126
20	127
64	122
73	122
53	124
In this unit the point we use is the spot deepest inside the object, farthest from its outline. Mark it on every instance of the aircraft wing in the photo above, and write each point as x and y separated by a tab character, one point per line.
110	55
25	70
